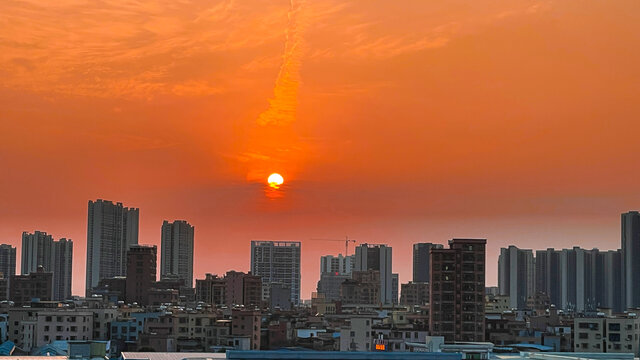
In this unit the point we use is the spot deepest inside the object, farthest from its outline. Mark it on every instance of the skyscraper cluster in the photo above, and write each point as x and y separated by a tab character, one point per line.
576	279
40	250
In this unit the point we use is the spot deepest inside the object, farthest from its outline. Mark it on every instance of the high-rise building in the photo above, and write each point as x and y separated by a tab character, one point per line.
277	262
141	272
62	268
395	284
211	290
421	253
609	280
39	249
329	285
339	265
35	285
457	291
630	246
549	275
378	258
111	230
516	274
7	260
177	250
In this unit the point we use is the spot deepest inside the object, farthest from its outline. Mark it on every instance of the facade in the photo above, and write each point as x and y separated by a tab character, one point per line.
329	285
549	275
63	325
378	258
277	262
357	335
421	256
607	334
362	289
242	289
111	230
630	246
338	265
516	274
177	250
247	323
610	280
141	273
36	285
211	290
62	263
7	260
414	293
457	291
395	284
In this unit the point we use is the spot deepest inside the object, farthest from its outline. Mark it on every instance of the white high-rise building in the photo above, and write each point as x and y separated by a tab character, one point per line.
377	257
39	249
176	257
338	265
516	275
111	230
277	262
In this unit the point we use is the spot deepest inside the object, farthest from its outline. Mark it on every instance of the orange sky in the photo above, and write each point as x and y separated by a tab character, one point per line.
418	120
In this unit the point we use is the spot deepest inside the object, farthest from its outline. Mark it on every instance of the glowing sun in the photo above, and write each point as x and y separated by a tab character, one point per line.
275	180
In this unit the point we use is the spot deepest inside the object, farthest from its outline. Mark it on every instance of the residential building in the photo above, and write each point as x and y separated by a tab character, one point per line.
177	250
395	284
62	252
378	258
607	334
362	289
279	297
211	290
356	336
7	260
610	280
457	291
414	293
277	262
247	323
630	246
58	325
338	265
36	251
111	230
421	256
243	289
329	285
141	273
549	274
516	275
35	285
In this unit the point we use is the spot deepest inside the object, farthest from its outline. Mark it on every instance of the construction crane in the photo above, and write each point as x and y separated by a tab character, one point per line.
346	243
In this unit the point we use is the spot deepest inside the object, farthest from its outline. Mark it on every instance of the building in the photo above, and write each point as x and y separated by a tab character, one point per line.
35	285
549	275
607	334
414	293
62	263
339	265
329	285
362	289
630	246
211	290
141	273
610	280
516	275
4	288
357	335
7	260
378	258
395	284
247	323
277	262
457	291
111	230
176	256
279	297
421	256
63	325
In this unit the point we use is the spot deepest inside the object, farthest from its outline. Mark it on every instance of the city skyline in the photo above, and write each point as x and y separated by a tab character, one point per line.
312	287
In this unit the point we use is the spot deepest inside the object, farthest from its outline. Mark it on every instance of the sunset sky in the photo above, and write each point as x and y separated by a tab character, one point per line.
391	121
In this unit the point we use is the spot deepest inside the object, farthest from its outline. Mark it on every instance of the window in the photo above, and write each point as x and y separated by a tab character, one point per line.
583	335
614	326
614	337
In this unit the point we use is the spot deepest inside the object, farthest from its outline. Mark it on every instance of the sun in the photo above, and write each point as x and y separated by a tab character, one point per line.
275	180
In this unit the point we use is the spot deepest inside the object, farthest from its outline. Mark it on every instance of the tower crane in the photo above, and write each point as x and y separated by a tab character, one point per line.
346	242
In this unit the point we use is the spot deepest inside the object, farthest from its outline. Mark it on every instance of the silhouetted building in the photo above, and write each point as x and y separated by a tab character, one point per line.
176	256
36	285
111	230
7	260
62	263
362	289
421	253
516	275
141	272
211	290
457	291
340	265
610	279
277	262
549	275
630	246
243	289
414	293
377	257
39	249
330	284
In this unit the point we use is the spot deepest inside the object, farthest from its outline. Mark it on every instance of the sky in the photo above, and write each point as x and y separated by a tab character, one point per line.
391	122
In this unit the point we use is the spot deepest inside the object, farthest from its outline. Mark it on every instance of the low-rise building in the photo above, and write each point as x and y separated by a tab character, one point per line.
607	333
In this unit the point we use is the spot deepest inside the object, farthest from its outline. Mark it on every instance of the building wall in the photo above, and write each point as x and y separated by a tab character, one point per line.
63	325
421	256
7	260
247	323
378	258
607	334
357	336
277	262
141	270
177	250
